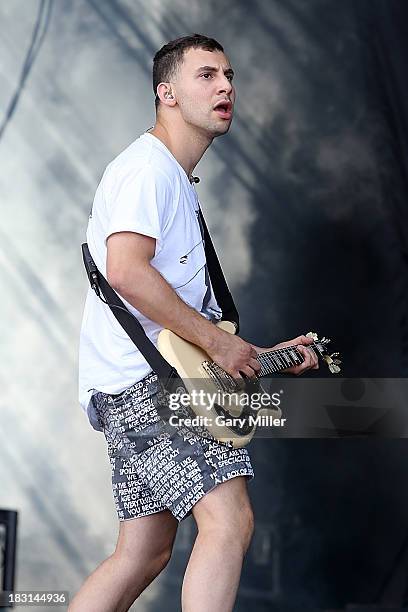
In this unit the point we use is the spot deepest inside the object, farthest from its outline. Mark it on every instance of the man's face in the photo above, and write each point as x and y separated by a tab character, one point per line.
203	82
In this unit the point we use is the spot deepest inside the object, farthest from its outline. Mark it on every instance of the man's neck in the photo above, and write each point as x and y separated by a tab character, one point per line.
186	145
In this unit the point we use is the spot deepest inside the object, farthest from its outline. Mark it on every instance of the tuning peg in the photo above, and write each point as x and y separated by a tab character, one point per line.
337	361
312	335
332	365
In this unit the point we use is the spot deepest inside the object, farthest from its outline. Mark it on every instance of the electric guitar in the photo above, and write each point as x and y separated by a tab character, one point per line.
228	408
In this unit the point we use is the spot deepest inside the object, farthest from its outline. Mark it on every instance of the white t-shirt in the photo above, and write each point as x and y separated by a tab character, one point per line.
143	190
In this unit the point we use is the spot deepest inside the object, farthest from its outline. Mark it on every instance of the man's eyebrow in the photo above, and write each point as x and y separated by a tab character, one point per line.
213	69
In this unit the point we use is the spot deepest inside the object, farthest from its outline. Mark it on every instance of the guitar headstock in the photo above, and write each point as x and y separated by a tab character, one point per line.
320	345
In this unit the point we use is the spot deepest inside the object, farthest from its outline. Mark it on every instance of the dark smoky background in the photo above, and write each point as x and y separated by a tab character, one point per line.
306	201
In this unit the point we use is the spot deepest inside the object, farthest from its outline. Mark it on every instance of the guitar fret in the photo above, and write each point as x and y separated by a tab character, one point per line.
279	362
293	355
267	364
287	358
279	359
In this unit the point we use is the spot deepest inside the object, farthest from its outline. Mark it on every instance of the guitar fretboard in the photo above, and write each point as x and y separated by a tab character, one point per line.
280	359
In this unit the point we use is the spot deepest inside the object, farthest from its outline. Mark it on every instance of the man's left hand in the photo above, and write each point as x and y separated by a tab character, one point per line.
310	362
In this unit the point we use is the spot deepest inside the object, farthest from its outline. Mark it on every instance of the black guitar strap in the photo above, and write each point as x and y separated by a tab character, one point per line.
222	293
167	374
128	321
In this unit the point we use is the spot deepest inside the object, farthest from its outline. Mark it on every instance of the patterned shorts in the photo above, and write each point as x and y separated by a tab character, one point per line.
157	466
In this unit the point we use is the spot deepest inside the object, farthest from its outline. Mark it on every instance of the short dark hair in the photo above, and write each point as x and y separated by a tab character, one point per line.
168	59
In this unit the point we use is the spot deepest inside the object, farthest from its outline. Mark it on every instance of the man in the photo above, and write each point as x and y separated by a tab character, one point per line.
144	234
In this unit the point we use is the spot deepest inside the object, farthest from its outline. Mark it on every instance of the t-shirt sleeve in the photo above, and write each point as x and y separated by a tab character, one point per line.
140	201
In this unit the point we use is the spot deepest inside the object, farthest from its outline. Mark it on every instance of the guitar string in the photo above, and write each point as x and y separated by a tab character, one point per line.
279	361
286	350
273	361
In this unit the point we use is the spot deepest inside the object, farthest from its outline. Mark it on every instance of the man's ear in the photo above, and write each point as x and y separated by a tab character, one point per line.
166	94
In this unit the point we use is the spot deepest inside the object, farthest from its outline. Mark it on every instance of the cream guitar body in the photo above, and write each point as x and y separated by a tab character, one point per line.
226	408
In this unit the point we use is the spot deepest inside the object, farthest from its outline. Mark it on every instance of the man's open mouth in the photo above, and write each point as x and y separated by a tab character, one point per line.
224	109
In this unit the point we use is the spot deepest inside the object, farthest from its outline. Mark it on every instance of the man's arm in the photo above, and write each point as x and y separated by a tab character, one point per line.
131	274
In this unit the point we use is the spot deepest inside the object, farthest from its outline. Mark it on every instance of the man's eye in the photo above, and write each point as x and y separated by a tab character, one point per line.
209	74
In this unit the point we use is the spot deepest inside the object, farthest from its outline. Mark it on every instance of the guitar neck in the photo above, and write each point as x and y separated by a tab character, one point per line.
280	359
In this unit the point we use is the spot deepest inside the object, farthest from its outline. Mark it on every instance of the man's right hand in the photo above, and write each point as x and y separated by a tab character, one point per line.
233	354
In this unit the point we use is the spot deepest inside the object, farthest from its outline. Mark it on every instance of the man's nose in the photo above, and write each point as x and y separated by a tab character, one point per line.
225	85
